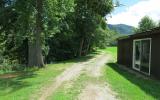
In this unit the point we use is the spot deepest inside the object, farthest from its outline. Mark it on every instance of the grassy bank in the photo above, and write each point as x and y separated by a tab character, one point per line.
22	86
129	86
27	84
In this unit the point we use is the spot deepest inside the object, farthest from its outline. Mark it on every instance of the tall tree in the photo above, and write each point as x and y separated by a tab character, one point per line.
32	20
35	57
145	24
88	14
51	29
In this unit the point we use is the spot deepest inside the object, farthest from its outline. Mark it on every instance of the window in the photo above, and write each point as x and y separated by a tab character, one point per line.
142	55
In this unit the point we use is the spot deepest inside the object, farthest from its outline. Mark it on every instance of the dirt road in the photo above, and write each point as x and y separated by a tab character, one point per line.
92	91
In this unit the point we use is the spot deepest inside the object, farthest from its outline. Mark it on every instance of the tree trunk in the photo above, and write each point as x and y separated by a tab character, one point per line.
35	57
88	46
2	4
81	47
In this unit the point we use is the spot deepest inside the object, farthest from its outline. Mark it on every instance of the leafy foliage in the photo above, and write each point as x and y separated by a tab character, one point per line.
146	23
159	24
63	29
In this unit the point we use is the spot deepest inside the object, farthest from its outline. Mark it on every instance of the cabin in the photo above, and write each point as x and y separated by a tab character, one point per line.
141	52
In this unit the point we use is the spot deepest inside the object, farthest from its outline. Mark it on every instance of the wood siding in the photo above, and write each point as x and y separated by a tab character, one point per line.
125	51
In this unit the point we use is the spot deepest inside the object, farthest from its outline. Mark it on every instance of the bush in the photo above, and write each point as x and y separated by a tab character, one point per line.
8	65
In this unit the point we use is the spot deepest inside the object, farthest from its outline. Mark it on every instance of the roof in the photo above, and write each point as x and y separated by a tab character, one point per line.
145	33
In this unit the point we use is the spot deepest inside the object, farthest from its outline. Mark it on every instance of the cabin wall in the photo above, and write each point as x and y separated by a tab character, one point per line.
125	53
155	56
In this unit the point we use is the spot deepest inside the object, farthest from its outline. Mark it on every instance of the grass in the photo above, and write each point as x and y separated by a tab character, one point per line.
70	91
129	86
27	83
112	51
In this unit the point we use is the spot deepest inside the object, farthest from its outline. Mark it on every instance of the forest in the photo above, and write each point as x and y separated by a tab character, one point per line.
38	32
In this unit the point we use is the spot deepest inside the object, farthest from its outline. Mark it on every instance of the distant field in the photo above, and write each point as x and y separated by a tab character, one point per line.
112	51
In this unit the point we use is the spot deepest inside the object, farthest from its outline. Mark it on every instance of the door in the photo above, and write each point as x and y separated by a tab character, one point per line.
142	55
137	57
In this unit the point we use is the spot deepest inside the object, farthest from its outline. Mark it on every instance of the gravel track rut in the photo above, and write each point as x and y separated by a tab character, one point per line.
92	91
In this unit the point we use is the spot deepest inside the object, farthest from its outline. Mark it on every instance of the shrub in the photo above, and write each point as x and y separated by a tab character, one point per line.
8	65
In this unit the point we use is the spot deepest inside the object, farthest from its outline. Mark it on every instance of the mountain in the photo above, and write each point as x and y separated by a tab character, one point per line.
122	28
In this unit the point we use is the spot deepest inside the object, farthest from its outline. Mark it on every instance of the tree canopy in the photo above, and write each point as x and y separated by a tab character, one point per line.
34	32
146	23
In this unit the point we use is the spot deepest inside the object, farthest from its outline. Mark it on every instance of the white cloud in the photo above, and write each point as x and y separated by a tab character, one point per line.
133	14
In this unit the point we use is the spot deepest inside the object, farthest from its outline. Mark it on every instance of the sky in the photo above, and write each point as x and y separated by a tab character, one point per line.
133	10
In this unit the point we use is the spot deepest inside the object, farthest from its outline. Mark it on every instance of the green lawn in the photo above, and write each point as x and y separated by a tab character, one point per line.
29	83
129	86
111	50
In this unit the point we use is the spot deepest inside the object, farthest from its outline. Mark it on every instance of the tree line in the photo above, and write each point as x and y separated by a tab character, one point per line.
35	32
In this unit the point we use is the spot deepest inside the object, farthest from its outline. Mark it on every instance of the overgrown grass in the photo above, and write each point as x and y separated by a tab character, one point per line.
129	86
28	83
